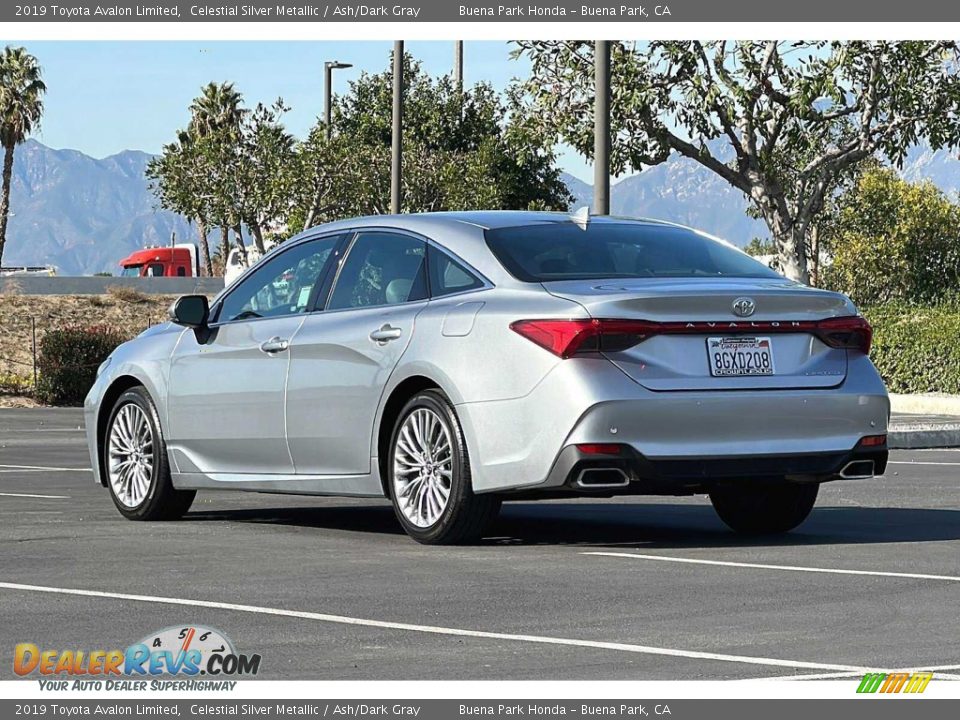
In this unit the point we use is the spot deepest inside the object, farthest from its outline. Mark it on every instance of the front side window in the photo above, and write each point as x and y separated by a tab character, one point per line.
564	251
283	285
155	270
381	269
447	276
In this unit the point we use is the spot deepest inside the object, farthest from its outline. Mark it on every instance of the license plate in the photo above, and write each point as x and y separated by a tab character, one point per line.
740	356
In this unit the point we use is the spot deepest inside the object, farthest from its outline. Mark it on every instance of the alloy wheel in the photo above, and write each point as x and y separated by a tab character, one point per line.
423	467
130	455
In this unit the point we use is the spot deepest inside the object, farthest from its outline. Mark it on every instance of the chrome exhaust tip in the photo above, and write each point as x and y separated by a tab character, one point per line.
857	469
600	478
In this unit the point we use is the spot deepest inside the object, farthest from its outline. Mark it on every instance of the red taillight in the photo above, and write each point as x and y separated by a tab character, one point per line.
565	338
561	337
852	332
599	448
873	441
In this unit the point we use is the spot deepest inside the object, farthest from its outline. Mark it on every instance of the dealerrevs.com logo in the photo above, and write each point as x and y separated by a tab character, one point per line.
895	682
178	651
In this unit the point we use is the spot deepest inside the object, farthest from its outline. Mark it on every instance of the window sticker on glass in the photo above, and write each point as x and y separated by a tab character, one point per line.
304	297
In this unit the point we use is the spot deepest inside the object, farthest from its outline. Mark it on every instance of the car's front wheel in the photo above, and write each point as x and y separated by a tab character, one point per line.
429	475
764	510
135	461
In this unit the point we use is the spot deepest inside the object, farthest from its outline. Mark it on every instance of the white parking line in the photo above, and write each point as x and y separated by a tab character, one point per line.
937	670
44	467
919	462
27	495
764	566
33	430
456	632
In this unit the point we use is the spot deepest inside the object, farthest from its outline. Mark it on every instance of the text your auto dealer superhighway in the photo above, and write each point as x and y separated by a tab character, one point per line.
311	11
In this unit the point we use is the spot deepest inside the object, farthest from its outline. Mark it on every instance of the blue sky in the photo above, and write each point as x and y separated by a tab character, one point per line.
104	97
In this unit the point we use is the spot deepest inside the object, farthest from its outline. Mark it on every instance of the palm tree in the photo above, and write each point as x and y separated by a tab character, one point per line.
21	106
217	109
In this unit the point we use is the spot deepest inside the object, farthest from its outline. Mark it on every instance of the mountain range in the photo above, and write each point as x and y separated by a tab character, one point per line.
83	214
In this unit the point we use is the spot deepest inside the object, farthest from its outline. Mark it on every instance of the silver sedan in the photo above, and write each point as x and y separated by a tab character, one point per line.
452	361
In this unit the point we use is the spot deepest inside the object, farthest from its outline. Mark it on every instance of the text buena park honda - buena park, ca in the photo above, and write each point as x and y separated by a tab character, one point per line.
616	11
622	710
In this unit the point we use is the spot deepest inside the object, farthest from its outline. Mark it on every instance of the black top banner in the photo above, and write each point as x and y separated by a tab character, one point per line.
472	11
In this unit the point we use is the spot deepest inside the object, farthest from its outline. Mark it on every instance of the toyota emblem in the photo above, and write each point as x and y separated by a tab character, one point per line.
744	307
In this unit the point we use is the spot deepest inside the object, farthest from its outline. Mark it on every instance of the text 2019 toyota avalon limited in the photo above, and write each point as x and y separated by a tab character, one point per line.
452	361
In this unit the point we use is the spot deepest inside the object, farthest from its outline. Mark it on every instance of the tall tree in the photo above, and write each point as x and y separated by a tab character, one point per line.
894	240
215	119
179	180
793	118
463	149
21	107
267	155
231	167
217	108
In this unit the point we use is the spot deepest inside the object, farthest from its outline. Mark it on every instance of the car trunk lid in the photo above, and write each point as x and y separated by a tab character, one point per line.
694	316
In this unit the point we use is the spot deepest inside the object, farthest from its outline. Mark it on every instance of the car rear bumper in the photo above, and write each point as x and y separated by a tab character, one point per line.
677	435
628	471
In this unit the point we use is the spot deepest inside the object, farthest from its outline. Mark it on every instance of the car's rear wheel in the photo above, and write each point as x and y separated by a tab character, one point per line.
429	475
135	462
764	510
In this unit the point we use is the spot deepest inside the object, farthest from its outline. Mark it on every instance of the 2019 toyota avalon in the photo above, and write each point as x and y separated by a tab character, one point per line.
451	361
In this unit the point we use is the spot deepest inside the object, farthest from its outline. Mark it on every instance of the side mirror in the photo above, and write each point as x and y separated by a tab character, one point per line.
191	311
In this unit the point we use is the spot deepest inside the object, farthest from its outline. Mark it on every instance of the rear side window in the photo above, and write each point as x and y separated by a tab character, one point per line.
381	269
564	251
447	276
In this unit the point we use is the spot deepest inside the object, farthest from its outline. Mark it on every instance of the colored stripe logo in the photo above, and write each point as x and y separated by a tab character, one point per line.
894	682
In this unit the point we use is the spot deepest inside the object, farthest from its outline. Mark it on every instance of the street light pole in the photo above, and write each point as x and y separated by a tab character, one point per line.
328	67
458	65
601	129
396	149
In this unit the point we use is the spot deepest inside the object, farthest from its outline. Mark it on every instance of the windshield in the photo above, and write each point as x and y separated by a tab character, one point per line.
131	271
564	251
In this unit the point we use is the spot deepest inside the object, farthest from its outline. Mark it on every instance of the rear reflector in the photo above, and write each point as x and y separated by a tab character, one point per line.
565	338
599	448
873	441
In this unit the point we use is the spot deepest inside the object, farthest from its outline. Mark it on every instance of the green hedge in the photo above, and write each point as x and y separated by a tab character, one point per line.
917	348
68	359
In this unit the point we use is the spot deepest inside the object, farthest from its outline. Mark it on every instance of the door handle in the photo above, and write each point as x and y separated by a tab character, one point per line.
385	334
274	345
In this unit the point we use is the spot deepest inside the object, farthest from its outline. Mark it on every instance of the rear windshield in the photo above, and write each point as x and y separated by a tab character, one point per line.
564	251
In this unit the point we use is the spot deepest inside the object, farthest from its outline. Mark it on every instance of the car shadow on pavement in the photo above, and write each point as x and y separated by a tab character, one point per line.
375	518
669	525
625	525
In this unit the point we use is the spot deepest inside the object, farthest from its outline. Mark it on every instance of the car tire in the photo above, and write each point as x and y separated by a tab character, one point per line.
135	462
764	510
427	459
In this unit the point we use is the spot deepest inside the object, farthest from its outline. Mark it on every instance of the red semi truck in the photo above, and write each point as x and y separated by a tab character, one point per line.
170	261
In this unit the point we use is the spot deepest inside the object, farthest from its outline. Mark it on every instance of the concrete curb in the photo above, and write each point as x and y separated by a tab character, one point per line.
920	436
932	404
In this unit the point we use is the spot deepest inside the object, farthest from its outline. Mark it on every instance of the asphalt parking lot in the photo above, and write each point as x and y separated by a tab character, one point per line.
645	588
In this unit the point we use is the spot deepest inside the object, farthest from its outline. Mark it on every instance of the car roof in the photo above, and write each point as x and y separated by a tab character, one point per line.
462	233
483	219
